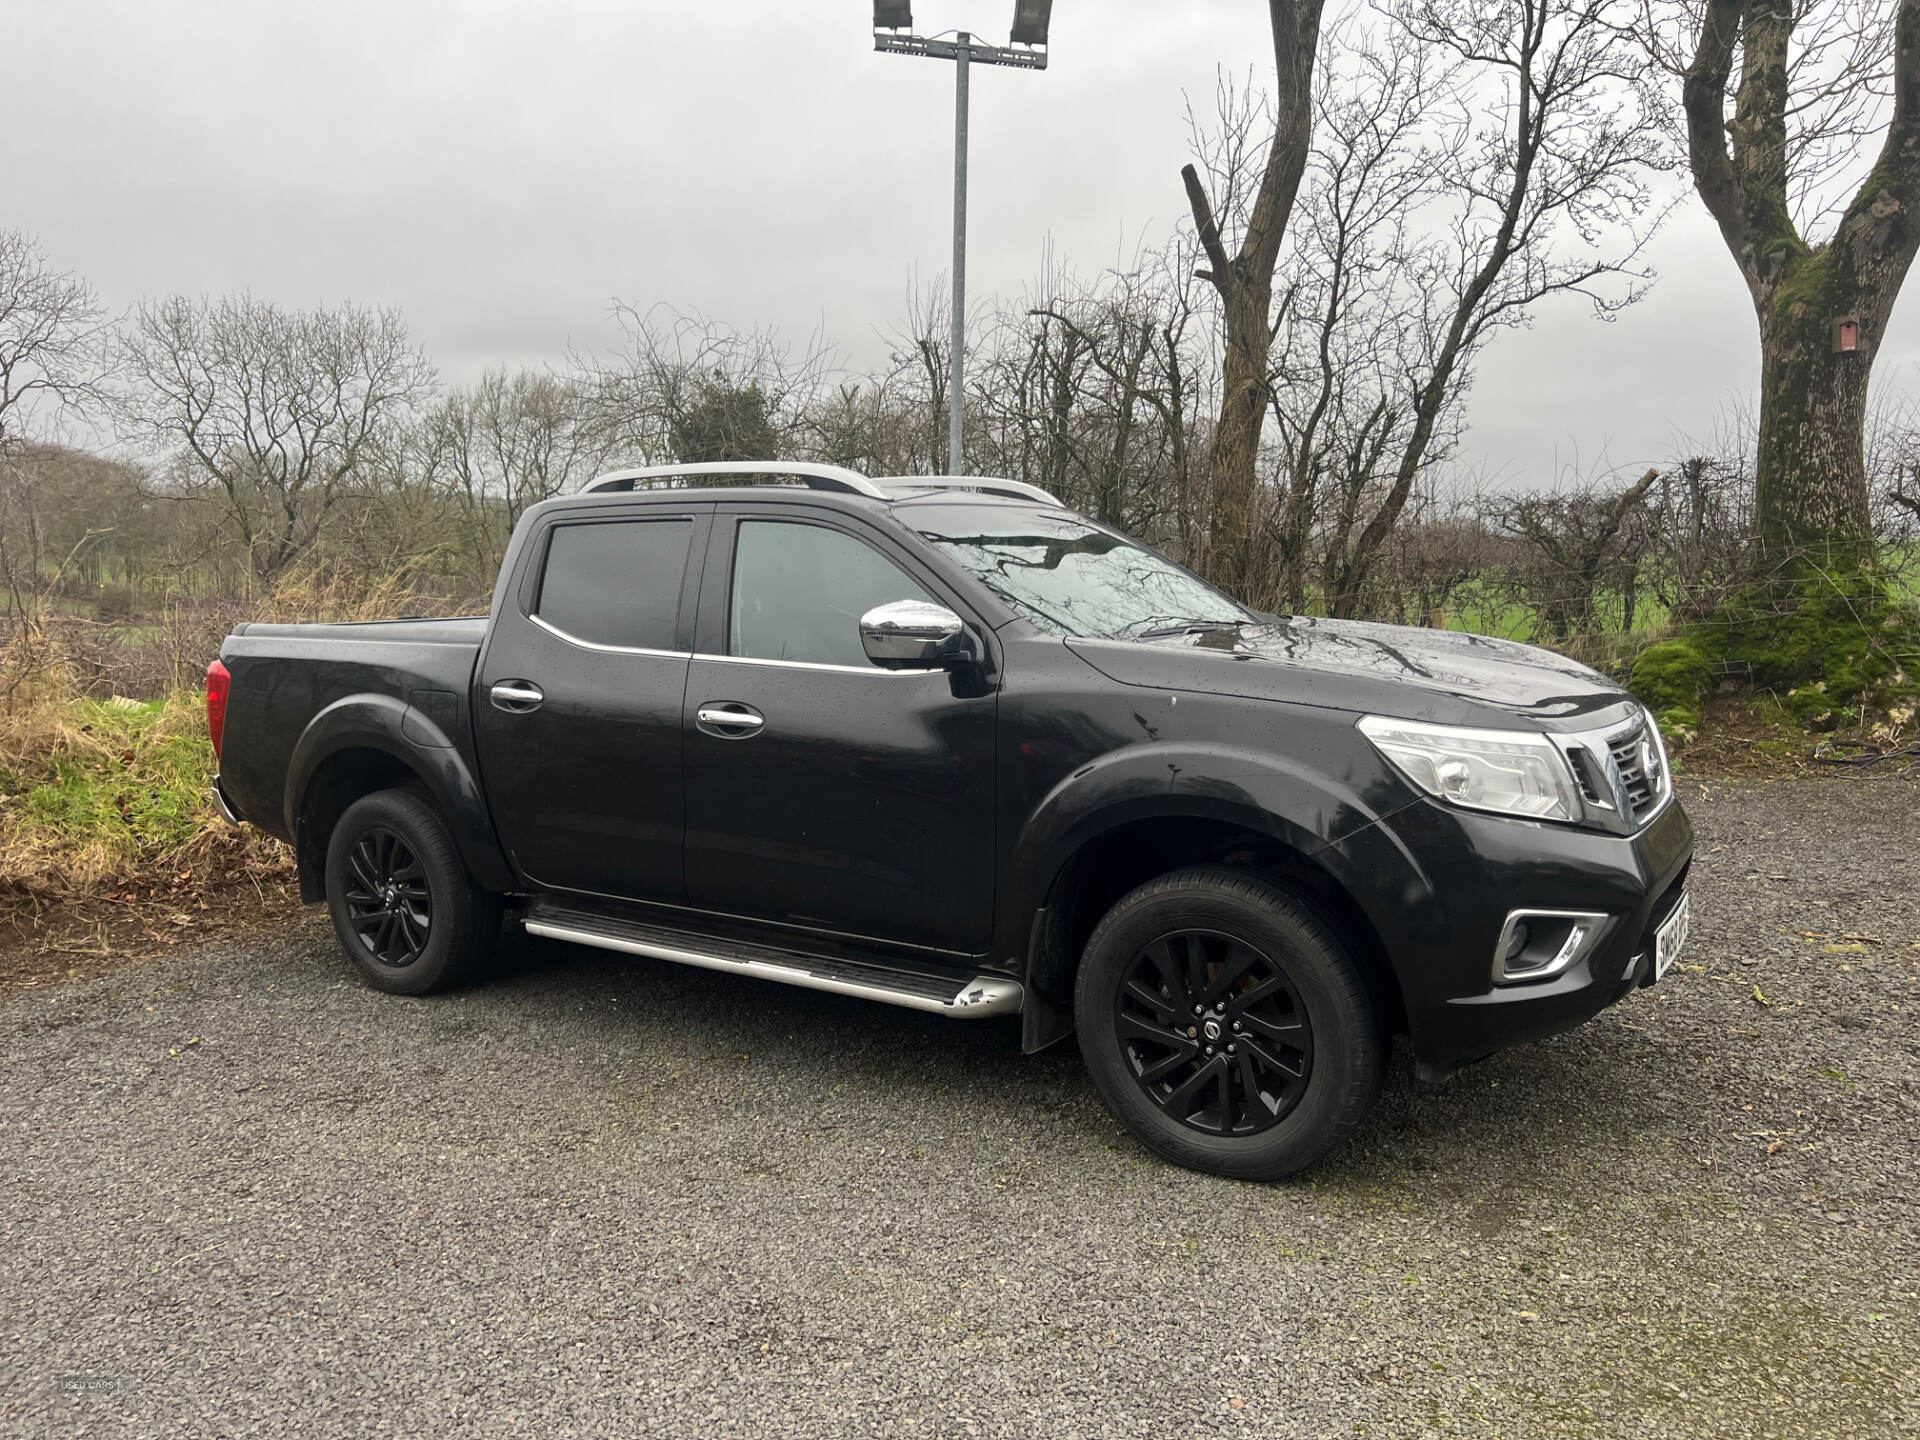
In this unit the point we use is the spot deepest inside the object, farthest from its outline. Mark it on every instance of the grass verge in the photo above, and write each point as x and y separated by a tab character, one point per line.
98	794
108	842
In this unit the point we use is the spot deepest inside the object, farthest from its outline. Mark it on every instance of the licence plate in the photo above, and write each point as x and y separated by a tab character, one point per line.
1671	935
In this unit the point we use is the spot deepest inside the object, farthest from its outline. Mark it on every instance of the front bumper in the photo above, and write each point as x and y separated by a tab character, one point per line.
1439	883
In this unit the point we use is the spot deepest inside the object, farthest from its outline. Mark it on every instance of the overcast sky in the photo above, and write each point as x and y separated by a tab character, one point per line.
501	171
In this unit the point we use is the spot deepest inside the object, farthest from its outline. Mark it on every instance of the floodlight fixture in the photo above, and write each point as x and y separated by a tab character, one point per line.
1030	19
893	14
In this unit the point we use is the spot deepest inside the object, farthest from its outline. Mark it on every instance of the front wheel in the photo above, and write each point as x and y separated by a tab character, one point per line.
403	907
1226	1026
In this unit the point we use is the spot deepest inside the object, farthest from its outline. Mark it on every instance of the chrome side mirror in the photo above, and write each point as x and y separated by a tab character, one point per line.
912	635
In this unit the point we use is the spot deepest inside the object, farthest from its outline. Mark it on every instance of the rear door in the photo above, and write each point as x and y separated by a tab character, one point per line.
823	791
577	701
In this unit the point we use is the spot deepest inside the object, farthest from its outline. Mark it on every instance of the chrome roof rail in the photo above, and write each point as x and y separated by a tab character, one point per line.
984	485
815	477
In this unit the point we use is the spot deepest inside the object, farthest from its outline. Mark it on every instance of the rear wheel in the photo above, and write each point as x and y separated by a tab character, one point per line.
403	906
1226	1025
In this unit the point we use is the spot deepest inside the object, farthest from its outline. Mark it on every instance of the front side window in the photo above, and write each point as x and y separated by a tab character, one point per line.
799	592
1072	577
616	582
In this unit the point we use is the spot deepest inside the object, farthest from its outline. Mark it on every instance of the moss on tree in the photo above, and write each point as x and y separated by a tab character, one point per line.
1831	646
1674	677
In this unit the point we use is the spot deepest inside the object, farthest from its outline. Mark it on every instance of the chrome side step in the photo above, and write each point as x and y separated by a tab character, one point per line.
973	997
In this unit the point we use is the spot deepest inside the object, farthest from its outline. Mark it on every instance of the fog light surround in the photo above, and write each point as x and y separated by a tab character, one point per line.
1538	945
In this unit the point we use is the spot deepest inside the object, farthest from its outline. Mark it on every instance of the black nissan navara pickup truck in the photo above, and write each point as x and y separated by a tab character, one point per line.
946	744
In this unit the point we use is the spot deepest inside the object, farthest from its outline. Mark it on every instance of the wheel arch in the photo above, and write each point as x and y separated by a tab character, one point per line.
1083	851
366	743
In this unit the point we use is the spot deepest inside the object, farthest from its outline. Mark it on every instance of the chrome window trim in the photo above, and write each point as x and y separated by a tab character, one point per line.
812	665
557	632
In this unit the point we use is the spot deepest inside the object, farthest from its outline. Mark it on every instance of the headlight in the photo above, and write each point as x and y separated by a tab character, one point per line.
1506	771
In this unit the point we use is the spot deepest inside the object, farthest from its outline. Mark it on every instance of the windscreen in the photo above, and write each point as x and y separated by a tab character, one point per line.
1070	576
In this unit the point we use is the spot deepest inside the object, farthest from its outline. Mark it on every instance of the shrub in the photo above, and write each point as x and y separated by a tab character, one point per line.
98	792
1674	677
1832	645
113	602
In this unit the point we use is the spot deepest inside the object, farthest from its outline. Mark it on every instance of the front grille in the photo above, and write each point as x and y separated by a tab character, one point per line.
1592	786
1642	781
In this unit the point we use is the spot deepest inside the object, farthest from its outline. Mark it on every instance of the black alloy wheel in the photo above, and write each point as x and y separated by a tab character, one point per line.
1228	1023
1214	1032
389	903
404	909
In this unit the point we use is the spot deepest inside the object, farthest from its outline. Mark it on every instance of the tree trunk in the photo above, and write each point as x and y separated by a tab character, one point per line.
1060	415
1233	458
1114	483
1245	285
1175	416
1812	483
1811	497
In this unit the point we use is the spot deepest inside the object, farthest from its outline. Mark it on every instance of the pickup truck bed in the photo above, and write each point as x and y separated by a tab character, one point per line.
301	695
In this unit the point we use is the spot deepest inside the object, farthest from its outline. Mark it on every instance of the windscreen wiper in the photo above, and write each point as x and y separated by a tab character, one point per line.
1187	627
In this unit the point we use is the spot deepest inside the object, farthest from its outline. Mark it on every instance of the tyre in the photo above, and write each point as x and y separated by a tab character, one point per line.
1226	1026
403	906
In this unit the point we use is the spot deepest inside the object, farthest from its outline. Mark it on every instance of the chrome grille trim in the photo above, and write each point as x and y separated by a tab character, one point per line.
1637	789
1621	772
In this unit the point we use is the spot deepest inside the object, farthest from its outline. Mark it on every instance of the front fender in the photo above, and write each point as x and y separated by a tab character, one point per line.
389	725
1264	792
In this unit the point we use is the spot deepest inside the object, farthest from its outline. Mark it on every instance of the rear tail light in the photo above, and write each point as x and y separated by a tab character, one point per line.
217	682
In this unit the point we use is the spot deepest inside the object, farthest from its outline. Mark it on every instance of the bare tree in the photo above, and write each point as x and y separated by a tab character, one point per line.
1092	388
1814	79
873	423
52	359
1701	532
1579	540
1539	166
507	443
52	338
1114	394
277	412
1893	472
1349	321
921	346
684	387
1244	281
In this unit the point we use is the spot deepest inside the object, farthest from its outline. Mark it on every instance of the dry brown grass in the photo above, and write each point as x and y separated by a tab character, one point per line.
100	792
99	795
164	645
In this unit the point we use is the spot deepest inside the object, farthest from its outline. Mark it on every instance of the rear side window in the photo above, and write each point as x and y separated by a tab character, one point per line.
616	582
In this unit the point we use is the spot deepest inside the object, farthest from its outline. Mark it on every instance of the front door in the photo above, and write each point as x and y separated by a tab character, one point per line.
822	791
578	699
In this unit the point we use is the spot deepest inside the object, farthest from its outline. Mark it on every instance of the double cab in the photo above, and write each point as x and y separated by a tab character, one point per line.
946	744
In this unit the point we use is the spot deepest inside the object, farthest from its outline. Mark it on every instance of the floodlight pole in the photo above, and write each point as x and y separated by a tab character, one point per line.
957	366
965	52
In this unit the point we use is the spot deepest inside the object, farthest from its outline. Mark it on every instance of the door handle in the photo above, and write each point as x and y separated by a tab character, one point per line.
516	697
729	720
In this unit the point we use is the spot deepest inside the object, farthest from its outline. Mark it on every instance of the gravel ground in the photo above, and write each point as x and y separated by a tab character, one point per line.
599	1197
